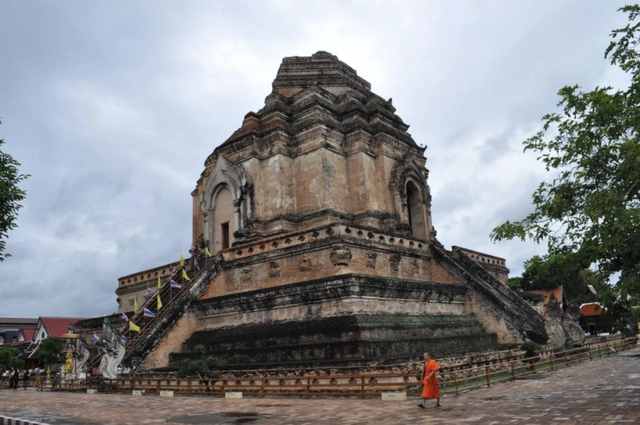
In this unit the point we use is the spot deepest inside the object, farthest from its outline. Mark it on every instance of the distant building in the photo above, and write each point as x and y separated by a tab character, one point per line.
46	327
10	328
592	319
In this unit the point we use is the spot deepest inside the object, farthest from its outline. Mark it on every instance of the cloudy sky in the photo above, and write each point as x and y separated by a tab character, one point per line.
112	107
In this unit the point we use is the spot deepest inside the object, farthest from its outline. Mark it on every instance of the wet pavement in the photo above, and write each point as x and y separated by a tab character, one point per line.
602	391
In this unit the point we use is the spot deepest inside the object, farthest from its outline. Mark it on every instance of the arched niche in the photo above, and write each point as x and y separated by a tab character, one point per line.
416	211
225	204
222	218
412	199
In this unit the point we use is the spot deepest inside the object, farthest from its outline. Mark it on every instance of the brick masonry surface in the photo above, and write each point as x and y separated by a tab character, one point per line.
602	391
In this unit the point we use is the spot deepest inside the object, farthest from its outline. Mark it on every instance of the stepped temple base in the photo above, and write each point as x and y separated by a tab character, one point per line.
348	320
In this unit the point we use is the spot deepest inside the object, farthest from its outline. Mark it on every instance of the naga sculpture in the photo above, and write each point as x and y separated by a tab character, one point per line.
82	355
112	350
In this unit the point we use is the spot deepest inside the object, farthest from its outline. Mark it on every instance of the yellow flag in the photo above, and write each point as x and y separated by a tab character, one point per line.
133	327
159	302
159	283
135	306
184	274
206	251
181	260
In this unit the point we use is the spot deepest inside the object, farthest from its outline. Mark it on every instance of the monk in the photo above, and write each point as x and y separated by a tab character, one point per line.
430	381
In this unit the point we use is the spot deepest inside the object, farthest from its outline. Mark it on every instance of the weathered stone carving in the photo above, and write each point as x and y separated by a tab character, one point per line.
274	269
112	350
573	331
82	355
394	262
340	256
304	265
245	275
371	259
553	324
414	266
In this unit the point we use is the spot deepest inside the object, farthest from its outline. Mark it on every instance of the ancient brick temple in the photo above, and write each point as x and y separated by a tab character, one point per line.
318	208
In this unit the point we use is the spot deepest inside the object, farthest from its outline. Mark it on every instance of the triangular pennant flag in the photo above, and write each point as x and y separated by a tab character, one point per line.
181	260
195	263
133	327
159	283
184	275
159	302
206	251
135	306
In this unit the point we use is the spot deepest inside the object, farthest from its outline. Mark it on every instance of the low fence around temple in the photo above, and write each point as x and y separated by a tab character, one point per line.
360	385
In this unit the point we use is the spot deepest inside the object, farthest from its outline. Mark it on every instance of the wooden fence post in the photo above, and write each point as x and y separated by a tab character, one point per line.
362	383
590	357
533	365
262	388
308	391
579	357
551	360
455	382
566	359
486	374
513	372
189	386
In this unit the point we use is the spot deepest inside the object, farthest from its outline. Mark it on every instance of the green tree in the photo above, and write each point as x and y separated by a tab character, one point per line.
10	197
202	366
591	210
50	349
515	283
9	359
551	271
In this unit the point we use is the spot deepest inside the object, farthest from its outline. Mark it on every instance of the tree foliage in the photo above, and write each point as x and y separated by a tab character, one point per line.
591	210
10	197
202	366
9	359
552	271
50	349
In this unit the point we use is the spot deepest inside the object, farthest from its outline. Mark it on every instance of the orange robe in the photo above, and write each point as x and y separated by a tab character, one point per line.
431	388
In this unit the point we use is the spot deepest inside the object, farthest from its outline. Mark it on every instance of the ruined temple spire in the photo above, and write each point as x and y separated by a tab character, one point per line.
323	69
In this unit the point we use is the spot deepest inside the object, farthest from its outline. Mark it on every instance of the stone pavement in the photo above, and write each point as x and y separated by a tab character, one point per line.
602	391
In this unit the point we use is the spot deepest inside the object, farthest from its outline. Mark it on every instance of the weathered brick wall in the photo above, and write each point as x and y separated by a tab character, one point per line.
171	342
492	321
441	275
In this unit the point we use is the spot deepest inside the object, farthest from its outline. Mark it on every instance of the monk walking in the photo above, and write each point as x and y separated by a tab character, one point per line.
430	381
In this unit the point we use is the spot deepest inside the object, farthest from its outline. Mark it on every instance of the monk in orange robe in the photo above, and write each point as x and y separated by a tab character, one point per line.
430	381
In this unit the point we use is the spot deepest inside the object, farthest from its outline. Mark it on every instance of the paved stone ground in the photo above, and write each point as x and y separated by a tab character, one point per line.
602	391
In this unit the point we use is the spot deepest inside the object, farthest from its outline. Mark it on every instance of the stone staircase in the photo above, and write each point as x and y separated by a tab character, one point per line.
174	303
515	311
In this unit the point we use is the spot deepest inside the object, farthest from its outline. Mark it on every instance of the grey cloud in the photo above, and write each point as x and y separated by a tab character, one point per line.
113	108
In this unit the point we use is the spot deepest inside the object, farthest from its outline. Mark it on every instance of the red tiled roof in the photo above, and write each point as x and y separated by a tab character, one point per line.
28	334
58	326
591	309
